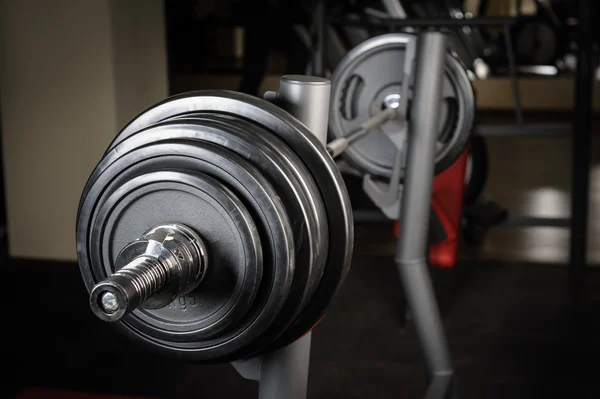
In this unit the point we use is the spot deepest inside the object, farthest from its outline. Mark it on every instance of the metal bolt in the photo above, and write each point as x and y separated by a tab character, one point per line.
391	101
110	302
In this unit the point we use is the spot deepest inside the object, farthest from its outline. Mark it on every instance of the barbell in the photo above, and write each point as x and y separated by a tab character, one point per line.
215	227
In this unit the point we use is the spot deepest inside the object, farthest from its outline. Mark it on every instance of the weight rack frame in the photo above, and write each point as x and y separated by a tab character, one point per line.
283	373
412	243
580	131
429	327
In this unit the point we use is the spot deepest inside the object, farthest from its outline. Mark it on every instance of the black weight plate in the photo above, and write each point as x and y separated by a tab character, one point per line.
308	148
293	183
291	166
131	205
278	163
289	177
261	201
372	73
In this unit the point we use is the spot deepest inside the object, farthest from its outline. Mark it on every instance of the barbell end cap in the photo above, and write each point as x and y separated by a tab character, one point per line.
109	301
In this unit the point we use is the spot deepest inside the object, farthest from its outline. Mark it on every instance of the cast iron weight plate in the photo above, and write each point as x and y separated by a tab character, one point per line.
369	78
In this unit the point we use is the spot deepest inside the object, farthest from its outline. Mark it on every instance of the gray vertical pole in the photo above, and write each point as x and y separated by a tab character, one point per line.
284	372
307	98
411	254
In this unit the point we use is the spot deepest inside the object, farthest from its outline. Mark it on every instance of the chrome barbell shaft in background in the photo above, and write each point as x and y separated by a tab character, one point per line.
338	146
284	373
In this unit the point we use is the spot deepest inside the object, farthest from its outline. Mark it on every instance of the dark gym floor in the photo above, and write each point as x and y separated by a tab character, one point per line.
511	331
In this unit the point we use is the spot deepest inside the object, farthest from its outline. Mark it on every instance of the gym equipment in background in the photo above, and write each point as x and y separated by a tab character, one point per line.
415	141
369	80
369	119
464	41
541	39
414	213
447	202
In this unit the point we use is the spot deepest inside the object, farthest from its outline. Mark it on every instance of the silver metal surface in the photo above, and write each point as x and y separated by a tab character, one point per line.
167	261
339	145
394	9
411	251
392	100
439	387
283	373
109	302
481	68
307	98
541	70
387	196
398	134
